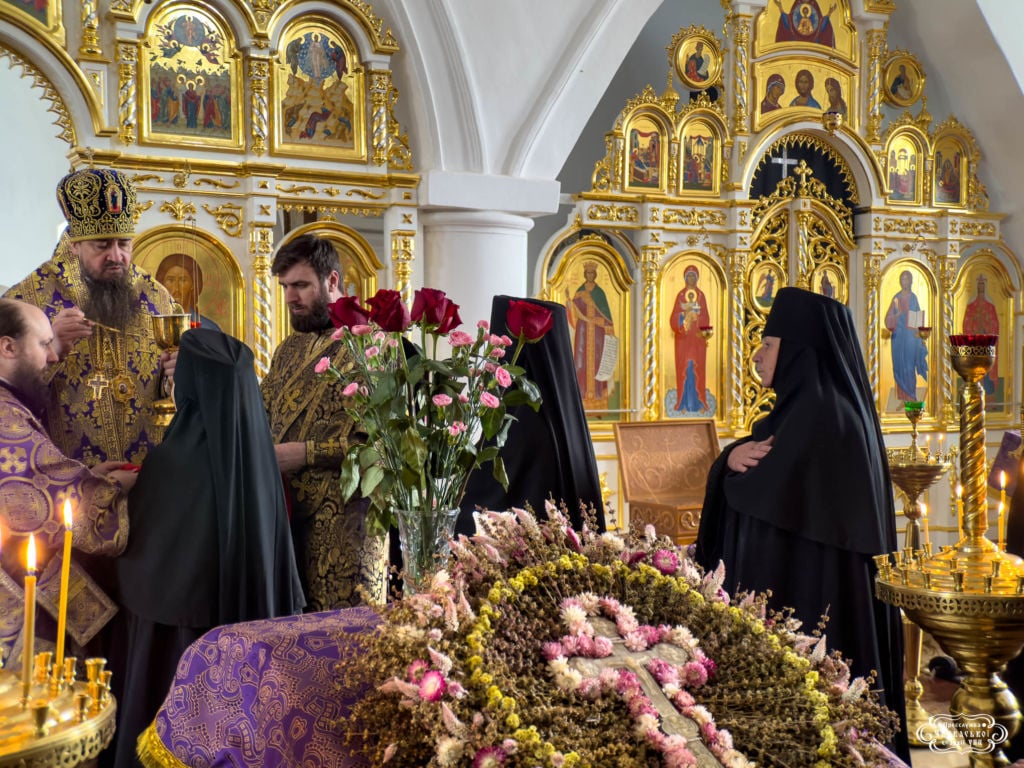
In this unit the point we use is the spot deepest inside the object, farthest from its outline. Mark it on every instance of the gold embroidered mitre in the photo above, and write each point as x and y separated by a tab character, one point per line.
98	203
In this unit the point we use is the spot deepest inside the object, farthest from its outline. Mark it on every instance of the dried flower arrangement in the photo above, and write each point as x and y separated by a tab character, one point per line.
517	657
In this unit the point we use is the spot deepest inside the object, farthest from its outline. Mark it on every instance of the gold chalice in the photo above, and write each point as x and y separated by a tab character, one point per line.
924	331
706	332
167	333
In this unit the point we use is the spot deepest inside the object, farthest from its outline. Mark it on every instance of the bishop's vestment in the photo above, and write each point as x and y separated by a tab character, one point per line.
102	391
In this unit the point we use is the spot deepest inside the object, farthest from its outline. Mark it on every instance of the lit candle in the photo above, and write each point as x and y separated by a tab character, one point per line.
65	576
1002	489
29	629
960	508
1000	525
926	545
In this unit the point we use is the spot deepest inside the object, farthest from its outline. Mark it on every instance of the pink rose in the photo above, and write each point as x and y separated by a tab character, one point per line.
322	364
459	339
488	400
504	377
441	400
372	352
361	330
350	389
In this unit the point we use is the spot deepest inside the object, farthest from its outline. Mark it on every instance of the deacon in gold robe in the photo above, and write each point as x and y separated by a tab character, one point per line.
35	480
110	370
312	430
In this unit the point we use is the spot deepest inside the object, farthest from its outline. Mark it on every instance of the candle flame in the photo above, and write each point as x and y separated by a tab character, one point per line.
1002	480
32	552
959	490
924	509
67	514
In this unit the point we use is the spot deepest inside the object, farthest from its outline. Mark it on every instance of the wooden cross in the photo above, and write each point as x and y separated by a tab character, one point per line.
673	722
98	383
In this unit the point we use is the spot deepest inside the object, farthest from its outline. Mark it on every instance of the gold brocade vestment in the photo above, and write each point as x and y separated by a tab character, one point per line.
332	549
102	391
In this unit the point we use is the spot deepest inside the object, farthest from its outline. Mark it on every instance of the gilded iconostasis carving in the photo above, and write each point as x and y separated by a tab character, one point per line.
783	152
241	123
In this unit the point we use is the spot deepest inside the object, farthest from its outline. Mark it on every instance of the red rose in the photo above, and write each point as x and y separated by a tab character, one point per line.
388	311
528	321
346	312
435	309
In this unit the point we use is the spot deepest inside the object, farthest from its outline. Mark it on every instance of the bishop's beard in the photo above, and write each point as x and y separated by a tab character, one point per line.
112	302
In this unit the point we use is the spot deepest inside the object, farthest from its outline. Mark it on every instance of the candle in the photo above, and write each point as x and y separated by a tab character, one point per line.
1000	526
29	629
926	546
1002	488
65	576
960	508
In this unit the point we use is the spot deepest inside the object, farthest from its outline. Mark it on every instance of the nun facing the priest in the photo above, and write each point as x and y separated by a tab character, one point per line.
209	541
801	505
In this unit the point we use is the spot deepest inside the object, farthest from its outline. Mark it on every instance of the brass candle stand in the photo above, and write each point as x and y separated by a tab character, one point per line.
913	470
62	721
969	596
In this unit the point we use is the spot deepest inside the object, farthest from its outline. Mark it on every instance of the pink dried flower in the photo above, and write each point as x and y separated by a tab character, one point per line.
666	561
489	757
432	686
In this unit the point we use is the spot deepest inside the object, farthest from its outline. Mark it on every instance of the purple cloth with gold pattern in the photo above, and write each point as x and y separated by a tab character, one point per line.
265	693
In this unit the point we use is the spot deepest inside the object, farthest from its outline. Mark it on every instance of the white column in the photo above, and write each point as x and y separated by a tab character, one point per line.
473	256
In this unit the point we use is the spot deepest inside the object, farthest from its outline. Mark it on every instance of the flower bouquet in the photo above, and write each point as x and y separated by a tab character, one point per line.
542	646
429	420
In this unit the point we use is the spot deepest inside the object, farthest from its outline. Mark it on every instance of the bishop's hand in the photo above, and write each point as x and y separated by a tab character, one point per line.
70	325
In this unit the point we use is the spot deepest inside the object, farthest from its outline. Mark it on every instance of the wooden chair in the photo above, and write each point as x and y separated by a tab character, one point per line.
664	468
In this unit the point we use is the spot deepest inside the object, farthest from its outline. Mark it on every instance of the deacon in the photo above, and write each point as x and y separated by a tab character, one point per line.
36	478
109	370
312	430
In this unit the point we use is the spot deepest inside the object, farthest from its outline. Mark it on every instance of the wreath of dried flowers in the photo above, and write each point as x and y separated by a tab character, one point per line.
476	672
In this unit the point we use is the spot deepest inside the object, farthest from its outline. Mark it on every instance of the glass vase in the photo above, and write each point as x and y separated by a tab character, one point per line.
425	537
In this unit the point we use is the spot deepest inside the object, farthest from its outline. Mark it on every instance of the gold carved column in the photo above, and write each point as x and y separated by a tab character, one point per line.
737	264
650	265
876	49
259	71
804	220
90	46
261	247
945	268
127	60
872	285
403	251
741	42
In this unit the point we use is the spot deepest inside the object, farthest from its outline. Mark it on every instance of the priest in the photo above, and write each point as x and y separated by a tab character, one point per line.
801	505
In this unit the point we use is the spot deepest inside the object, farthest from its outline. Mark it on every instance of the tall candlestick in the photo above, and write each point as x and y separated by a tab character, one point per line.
960	508
926	544
65	577
29	629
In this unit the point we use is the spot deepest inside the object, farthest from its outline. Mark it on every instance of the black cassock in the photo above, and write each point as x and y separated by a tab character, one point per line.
806	521
549	454
209	541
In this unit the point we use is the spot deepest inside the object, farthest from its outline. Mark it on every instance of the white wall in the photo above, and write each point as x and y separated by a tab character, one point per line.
34	160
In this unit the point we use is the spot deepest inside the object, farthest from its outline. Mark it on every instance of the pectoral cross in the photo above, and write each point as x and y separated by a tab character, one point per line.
98	383
672	721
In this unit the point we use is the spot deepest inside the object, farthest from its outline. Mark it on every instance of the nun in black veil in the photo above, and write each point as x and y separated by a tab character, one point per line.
209	542
549	453
802	505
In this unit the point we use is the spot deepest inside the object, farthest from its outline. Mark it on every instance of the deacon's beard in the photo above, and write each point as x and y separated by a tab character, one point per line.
318	319
112	302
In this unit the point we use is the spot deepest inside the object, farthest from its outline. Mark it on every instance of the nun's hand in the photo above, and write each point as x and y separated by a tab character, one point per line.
749	454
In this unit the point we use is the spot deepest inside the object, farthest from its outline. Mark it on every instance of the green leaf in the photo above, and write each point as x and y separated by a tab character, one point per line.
349	477
531	390
490	420
371	479
368	456
499	472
